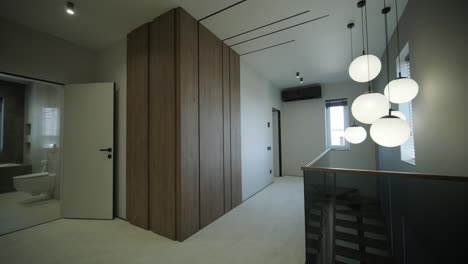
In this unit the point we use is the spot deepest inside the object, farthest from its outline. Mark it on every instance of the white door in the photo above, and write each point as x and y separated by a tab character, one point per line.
88	145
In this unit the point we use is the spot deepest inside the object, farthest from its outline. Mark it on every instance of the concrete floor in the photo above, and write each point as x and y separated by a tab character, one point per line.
267	228
19	210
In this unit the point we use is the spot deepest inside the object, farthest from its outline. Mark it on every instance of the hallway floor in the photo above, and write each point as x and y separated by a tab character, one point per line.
267	228
19	210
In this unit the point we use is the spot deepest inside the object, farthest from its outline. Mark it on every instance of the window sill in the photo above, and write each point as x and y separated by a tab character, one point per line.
340	149
410	162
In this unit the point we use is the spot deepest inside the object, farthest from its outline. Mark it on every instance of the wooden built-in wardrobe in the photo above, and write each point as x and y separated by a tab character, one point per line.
183	118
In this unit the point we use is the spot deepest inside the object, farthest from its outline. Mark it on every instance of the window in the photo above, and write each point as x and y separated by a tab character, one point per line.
50	121
407	150
1	123
337	122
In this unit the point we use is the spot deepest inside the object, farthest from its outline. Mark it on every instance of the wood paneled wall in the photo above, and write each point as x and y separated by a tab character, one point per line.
236	168
211	127
184	119
187	167
137	126
162	126
227	128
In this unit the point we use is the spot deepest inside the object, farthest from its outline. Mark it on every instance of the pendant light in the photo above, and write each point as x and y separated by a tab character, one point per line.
366	67
399	114
354	134
403	89
390	130
370	106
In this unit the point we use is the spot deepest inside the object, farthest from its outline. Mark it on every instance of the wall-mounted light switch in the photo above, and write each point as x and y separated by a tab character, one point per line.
269	148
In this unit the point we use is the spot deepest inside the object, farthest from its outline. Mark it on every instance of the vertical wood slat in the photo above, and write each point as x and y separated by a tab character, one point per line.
211	127
162	126
227	128
137	126
187	167
236	169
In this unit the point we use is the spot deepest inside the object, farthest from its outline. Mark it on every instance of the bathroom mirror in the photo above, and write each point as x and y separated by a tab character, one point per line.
30	152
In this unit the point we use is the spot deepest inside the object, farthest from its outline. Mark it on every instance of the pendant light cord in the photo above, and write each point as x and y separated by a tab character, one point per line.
398	38
351	37
365	35
363	41
388	54
367	31
368	59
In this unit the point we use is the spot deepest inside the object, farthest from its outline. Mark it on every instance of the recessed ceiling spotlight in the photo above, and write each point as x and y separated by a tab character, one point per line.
297	75
302	80
70	8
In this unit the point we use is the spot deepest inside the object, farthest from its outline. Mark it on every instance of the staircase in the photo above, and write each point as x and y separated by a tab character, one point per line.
314	233
360	232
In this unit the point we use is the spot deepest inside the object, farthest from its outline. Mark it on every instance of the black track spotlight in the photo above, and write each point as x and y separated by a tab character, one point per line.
302	80
70	8
298	75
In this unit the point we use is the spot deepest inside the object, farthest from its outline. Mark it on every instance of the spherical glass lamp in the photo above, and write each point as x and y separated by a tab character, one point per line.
369	107
365	68
355	134
402	90
399	114
390	131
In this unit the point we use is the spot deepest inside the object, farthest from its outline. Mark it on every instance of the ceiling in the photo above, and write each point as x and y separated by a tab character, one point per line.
321	50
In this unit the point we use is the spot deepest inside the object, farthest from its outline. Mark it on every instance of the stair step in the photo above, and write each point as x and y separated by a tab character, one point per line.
339	262
315	218
357	202
314	230
312	251
365	241
363	227
364	257
361	213
313	243
315	211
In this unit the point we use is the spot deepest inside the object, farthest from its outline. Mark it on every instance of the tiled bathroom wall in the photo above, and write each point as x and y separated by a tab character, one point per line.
11	144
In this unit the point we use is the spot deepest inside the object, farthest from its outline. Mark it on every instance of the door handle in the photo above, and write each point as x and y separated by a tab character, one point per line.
106	150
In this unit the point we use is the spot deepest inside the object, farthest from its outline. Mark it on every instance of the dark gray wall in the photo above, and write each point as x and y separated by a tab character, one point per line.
428	218
13	122
436	33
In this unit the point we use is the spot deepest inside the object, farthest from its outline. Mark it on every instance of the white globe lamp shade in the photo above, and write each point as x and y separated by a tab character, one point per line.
369	107
365	68
390	131
399	114
401	90
355	134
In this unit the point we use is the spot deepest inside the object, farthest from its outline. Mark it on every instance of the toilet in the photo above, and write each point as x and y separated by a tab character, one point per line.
36	183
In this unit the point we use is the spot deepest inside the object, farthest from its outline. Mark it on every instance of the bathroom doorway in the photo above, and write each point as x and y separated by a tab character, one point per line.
30	152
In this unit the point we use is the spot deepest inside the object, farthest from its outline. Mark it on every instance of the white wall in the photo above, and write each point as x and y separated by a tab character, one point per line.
258	97
112	67
439	65
34	54
304	132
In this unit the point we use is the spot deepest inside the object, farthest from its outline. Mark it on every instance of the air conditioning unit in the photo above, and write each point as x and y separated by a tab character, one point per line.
301	93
